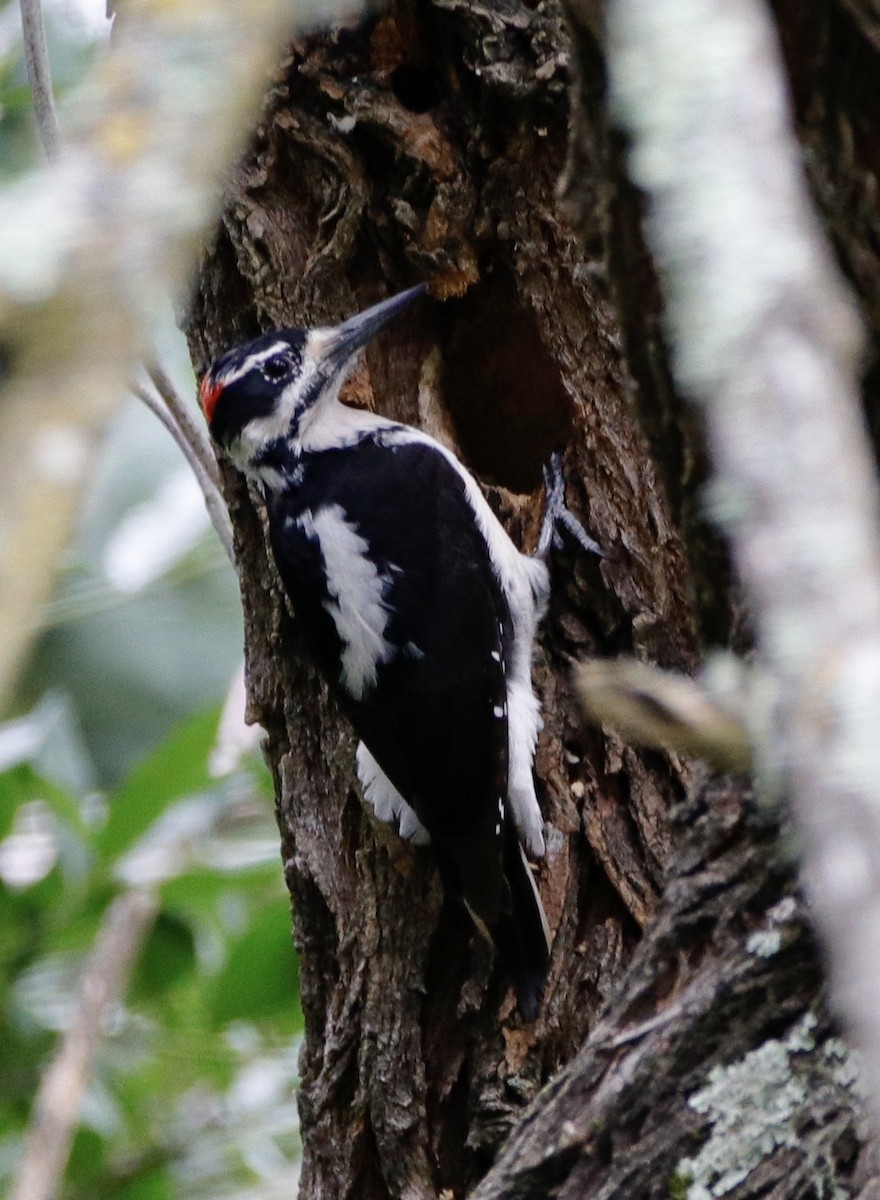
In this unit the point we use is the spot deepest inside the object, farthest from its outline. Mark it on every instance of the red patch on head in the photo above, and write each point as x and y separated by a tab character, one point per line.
209	394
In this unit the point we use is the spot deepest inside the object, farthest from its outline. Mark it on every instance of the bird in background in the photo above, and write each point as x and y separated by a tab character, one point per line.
416	607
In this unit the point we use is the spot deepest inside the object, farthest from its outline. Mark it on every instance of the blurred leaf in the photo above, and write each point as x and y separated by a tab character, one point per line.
155	1185
21	926
196	891
168	954
16	98
254	765
21	785
12	794
261	977
49	739
76	933
87	1155
41	904
178	768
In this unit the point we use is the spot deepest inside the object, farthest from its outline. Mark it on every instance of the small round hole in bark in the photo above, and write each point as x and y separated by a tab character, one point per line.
503	389
417	88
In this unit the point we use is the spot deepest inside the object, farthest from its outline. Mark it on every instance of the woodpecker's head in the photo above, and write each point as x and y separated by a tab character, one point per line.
271	388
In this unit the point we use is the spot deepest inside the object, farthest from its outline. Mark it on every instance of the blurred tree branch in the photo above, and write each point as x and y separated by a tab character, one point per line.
39	72
91	246
56	1108
767	339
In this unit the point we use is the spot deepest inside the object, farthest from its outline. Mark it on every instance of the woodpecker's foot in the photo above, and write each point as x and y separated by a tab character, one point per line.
558	518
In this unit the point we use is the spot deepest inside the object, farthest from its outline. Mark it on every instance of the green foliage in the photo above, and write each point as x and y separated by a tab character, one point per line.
193	1084
260	974
176	770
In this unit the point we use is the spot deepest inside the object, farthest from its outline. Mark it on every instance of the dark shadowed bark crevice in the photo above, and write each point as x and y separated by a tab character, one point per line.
428	143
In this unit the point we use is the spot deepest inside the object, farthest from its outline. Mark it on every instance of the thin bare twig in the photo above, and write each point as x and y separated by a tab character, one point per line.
207	480
56	1108
195	438
36	58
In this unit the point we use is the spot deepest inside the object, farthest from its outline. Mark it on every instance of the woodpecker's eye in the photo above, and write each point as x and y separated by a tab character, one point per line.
275	369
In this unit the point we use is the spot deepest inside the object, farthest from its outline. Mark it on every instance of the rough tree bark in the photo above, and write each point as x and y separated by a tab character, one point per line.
684	1026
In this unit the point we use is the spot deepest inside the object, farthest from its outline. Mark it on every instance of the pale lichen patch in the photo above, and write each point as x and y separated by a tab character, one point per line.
754	1107
766	942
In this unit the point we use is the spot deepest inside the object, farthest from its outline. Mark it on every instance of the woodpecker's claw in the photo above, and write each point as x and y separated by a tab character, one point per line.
558	518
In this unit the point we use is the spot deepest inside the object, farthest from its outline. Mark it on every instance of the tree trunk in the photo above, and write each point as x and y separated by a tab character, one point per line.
428	144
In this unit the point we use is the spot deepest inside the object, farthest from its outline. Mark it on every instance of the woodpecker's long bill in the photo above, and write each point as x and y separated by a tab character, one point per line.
341	343
280	376
415	606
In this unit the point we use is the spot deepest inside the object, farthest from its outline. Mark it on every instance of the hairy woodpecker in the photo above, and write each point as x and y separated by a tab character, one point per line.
417	608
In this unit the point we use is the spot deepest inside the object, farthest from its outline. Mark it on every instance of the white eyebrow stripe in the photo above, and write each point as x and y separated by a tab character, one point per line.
253	360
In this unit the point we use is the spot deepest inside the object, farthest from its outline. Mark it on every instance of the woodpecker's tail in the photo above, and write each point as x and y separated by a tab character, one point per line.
522	935
505	906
